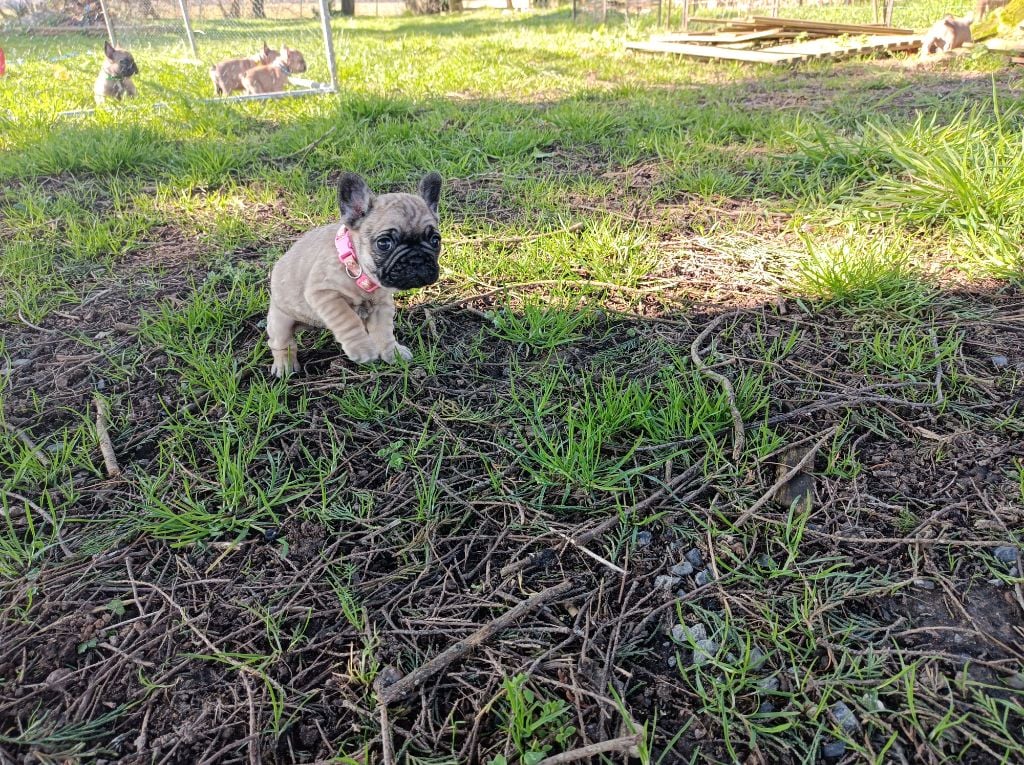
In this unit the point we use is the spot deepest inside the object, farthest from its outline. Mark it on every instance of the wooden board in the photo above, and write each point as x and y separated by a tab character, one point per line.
829	27
720	38
787	53
833	47
713	51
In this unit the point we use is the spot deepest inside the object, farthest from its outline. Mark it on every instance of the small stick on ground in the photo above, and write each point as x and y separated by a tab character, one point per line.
784	478
625	744
417	677
387	744
939	397
526	238
36	451
589	554
106	447
738	437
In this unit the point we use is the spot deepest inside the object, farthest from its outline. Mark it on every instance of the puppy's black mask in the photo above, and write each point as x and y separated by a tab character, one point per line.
407	259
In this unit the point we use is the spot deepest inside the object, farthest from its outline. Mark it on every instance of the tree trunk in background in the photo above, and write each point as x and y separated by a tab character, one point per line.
348	7
257	9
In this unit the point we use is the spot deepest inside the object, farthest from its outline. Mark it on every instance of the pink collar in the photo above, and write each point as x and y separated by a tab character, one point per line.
347	256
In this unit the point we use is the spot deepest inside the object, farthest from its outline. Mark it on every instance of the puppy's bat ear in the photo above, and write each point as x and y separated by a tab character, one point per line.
108	50
430	190
354	199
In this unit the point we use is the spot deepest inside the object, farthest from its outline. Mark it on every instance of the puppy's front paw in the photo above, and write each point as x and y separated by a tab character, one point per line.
285	362
361	353
395	352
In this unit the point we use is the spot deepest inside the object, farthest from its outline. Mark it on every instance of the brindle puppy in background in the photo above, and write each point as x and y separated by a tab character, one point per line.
344	277
115	78
227	75
271	78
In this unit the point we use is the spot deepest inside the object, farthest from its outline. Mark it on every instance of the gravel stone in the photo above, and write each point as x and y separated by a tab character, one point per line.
702	578
834	750
766	708
665	582
695	557
644	538
683	634
845	718
1006	554
681	569
769	684
705	650
1000	361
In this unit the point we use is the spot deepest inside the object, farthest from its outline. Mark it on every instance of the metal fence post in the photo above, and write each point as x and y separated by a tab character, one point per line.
108	22
332	65
188	27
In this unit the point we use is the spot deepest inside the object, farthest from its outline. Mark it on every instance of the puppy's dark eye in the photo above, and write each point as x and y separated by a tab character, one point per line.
385	244
435	239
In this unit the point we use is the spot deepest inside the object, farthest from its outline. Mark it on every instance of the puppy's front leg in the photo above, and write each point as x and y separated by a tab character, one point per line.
380	325
129	89
338	316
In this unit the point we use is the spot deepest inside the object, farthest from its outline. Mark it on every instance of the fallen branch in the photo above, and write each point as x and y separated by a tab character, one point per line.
417	677
784	478
738	437
103	435
626	744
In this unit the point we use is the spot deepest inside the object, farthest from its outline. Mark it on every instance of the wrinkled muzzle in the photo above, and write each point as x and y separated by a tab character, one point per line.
409	267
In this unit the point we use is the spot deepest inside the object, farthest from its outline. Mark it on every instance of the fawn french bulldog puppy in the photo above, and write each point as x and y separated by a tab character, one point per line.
115	77
272	77
344	277
227	75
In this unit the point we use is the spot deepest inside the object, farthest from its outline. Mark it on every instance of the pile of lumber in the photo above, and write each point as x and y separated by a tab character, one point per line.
772	40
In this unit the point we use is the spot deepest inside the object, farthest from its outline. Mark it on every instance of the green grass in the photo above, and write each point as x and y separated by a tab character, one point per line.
600	208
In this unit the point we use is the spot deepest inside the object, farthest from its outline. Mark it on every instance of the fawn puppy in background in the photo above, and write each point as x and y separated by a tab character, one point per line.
115	78
227	75
344	277
947	33
272	77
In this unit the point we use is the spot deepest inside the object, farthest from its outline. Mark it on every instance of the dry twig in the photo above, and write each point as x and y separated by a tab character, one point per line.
103	435
626	744
417	677
738	437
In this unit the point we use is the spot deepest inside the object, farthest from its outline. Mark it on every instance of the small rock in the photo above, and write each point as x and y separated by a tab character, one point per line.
1015	681
664	582
764	560
695	557
681	569
845	718
704	650
14	364
644	538
756	659
683	634
1015	571
924	584
1000	361
768	684
702	578
766	708
798	490
1006	554
672	662
833	750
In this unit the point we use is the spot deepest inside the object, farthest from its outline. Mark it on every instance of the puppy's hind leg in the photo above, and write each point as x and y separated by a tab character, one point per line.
281	338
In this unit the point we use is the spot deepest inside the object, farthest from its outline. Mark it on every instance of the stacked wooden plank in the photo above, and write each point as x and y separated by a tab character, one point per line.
771	40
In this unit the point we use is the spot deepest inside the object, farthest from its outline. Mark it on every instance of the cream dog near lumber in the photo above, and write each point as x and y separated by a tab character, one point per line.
946	34
344	277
